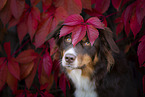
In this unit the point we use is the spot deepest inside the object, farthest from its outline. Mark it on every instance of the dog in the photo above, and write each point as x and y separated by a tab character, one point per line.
98	70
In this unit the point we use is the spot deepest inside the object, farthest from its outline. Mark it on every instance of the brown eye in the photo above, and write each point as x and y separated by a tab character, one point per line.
68	39
87	44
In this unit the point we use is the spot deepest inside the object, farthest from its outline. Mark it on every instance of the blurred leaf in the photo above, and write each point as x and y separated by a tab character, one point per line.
102	6
14	68
72	6
32	21
3	74
29	79
2	4
5	13
26	69
134	25
12	82
26	56
17	7
46	4
47	63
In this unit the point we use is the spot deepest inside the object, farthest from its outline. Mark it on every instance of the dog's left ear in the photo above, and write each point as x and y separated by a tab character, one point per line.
108	34
108	46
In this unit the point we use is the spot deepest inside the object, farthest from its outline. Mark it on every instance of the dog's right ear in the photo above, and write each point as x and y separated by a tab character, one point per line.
109	38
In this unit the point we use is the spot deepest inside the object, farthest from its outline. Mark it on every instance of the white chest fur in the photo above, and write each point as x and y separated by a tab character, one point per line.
84	87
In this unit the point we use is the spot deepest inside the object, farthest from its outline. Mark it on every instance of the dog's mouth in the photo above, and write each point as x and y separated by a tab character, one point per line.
78	67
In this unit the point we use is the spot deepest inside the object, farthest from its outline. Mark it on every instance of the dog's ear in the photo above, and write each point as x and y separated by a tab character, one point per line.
108	46
108	34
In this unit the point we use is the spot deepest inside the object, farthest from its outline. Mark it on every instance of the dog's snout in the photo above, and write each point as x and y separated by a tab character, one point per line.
70	58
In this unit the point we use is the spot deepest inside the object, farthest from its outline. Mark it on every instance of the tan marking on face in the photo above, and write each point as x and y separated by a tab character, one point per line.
87	61
84	39
63	53
96	59
68	70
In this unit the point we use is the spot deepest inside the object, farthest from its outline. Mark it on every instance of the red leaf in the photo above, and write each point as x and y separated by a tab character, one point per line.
2	4
140	11
17	7
120	24
7	48
2	61
14	68
86	4
102	5
60	14
12	82
46	4
45	79
47	63
92	33
119	28
94	21
26	56
13	22
22	29
44	86
42	32
105	22
49	22
62	83
3	76
78	33
72	6
26	69
34	2
134	25
141	52
21	95
32	21
127	28
5	13
128	12
116	3
65	30
47	94
29	79
74	20
53	47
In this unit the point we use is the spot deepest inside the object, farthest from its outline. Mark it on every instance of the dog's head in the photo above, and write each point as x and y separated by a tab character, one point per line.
86	57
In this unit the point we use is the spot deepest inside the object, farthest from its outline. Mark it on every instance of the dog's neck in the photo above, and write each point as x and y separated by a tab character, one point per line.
84	86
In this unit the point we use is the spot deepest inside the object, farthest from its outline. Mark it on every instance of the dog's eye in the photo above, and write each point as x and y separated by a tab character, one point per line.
68	39
87	44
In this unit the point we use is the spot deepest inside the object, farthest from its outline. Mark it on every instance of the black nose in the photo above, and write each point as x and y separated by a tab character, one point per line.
70	58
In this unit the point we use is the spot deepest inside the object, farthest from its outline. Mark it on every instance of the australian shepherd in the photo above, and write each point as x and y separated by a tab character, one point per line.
96	71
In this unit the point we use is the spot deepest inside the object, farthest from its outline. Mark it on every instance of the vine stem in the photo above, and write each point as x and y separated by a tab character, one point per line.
20	47
111	14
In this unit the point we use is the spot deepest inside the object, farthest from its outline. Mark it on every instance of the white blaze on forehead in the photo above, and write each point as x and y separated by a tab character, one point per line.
70	51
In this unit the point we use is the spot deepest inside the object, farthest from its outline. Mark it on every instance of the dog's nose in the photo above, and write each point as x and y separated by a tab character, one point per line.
70	58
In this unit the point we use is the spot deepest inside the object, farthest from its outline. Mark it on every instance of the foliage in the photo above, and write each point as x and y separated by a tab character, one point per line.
38	18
